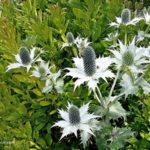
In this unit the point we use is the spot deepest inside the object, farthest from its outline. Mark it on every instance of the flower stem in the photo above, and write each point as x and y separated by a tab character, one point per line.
114	83
97	97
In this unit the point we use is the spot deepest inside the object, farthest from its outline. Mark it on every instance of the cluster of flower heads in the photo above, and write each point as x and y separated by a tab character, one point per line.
126	19
80	42
75	119
38	67
133	61
129	59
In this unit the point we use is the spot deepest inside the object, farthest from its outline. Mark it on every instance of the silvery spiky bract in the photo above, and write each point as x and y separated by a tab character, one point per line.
75	119
25	58
81	44
126	16
125	19
53	80
89	61
70	37
146	16
132	85
142	35
84	72
131	56
42	70
24	55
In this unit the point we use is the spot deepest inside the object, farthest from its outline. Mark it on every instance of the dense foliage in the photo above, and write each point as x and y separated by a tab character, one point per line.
26	113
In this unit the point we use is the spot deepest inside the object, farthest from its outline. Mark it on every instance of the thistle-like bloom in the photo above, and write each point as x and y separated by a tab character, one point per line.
89	69
130	56
41	71
75	119
142	35
112	37
81	44
132	86
25	58
146	16
53	80
70	40
125	19
147	53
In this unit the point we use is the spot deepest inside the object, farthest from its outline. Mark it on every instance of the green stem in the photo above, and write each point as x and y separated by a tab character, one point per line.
97	97
114	83
147	29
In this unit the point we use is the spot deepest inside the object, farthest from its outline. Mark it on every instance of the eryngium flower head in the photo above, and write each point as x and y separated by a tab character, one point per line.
131	85
53	80
70	37
25	58
75	119
81	44
41	71
125	19
89	61
89	70
24	55
126	16
128	58
70	40
74	115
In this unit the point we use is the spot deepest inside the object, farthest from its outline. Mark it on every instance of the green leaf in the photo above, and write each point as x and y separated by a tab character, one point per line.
80	14
37	92
18	91
28	129
45	103
53	112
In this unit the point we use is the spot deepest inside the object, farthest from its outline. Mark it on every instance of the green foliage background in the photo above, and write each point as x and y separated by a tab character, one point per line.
26	114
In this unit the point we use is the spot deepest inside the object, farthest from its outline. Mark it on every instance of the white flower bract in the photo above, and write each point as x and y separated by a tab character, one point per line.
131	56
102	64
131	86
81	44
147	17
42	70
125	19
32	59
75	119
53	80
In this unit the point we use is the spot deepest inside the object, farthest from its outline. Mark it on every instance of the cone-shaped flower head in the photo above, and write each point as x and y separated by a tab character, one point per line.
42	71
89	69
74	115
77	119
70	37
125	19
24	55
128	58
131	57
89	61
70	40
126	16
26	58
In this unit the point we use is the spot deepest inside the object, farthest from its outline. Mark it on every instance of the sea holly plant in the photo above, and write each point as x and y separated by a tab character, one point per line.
124	68
125	19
